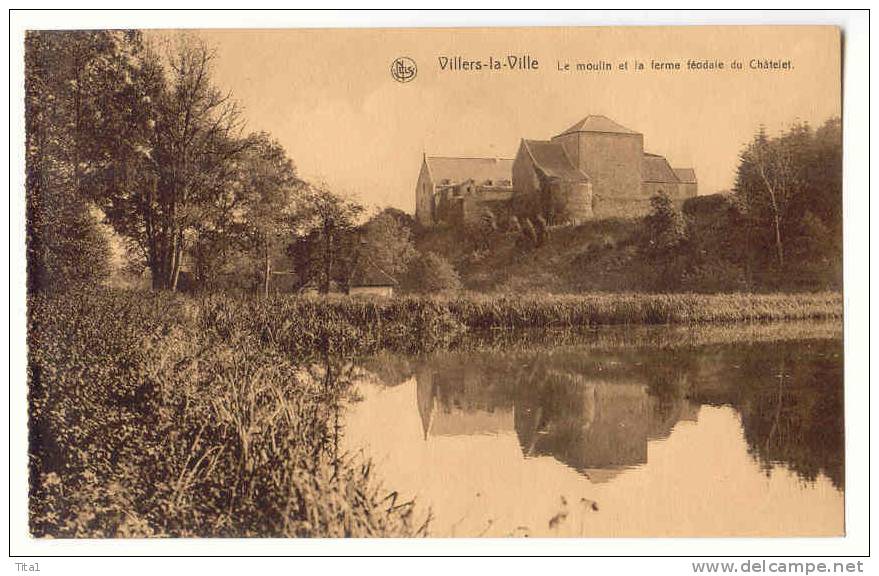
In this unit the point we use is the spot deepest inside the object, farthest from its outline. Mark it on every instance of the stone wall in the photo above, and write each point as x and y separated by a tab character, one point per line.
687	190
462	205
612	161
559	202
604	207
475	207
528	196
524	175
449	207
572	202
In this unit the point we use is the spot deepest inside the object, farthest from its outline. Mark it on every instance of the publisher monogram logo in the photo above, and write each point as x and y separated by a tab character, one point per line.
403	69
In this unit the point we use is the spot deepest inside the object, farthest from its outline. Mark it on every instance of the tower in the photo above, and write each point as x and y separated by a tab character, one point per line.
611	155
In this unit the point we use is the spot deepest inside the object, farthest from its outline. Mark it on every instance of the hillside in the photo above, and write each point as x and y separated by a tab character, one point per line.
595	256
717	252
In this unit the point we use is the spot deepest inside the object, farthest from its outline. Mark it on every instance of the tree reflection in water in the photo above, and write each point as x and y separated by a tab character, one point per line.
595	408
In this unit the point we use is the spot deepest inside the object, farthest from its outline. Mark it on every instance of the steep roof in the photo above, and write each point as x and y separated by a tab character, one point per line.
655	168
480	170
552	159
686	175
598	123
368	274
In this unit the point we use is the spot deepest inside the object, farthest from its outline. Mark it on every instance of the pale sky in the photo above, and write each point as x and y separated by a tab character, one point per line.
329	98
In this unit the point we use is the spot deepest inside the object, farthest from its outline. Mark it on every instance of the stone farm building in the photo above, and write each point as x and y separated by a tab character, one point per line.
370	280
595	169
458	190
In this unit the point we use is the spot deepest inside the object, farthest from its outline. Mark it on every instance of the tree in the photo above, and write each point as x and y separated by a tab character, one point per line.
385	242
661	243
663	229
179	164
404	219
269	186
825	177
71	80
431	273
790	189
325	241
821	197
770	175
196	151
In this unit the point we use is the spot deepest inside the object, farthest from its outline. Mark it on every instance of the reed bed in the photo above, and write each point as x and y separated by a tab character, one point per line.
411	324
664	337
146	422
564	311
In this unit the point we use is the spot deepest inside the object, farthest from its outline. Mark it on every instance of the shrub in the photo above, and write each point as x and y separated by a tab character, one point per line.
542	230
431	274
718	276
514	225
663	228
529	234
66	246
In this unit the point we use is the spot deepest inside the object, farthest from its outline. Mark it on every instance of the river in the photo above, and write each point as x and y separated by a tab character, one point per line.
616	433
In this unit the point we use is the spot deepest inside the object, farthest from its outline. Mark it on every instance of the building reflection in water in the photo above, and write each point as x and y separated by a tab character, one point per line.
596	411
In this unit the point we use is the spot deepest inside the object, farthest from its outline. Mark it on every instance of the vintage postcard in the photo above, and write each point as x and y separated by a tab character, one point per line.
560	282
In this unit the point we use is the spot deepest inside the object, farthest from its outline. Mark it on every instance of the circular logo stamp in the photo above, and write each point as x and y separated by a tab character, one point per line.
403	69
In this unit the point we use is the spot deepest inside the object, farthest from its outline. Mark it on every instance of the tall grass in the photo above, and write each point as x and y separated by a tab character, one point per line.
299	325
302	325
146	421
562	311
664	337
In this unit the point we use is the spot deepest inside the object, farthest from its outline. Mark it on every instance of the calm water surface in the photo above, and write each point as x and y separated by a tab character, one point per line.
612	438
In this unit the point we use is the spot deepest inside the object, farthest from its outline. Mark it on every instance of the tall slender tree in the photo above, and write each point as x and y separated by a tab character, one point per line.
72	80
181	165
323	245
770	176
270	189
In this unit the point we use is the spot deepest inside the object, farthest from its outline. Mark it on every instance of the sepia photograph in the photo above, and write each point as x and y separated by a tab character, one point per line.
564	282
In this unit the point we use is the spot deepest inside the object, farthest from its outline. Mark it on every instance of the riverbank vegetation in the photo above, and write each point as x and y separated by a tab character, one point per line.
149	417
299	325
154	414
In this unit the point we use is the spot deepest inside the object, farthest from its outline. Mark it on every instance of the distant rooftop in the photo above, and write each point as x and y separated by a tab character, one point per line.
655	168
686	175
368	274
598	123
457	170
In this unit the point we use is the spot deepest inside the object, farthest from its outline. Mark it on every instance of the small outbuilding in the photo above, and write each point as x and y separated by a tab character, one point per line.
370	280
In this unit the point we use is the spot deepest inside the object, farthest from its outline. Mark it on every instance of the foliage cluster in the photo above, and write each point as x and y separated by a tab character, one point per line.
779	229
148	420
136	132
